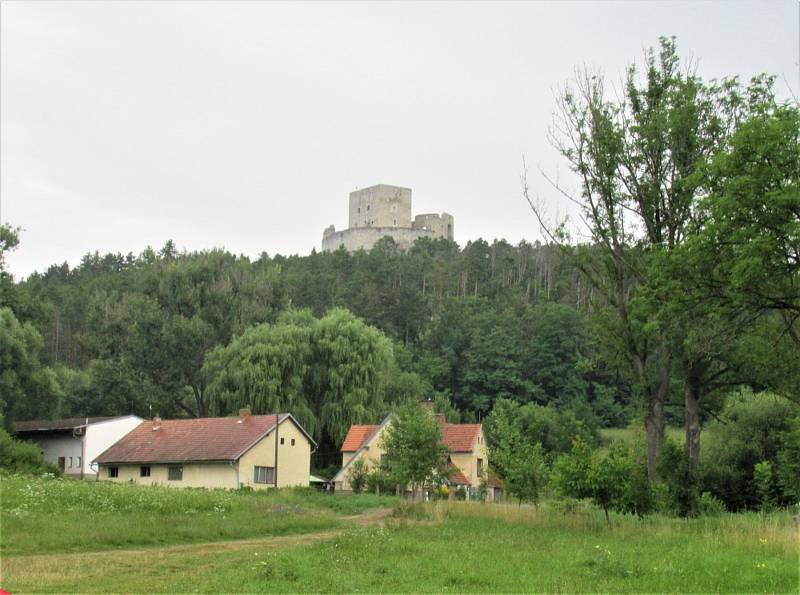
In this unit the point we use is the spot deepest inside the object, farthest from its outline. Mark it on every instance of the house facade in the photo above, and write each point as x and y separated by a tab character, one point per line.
71	444
466	443
259	451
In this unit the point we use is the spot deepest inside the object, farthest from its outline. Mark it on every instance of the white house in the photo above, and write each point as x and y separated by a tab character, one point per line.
72	444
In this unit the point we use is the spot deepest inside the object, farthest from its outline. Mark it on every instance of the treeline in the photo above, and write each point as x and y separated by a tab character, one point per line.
167	332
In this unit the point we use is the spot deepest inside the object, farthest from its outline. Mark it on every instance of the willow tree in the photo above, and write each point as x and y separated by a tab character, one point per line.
635	154
264	369
350	361
329	372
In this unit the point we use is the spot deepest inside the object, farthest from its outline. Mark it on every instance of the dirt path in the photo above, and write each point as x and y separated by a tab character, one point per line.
52	569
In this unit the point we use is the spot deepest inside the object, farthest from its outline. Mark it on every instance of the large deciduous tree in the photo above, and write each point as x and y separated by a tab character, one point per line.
636	155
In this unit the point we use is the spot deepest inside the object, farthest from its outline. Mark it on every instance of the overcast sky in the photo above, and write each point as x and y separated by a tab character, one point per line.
245	125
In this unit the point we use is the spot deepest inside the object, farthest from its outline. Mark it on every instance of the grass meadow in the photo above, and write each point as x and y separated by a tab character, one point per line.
488	548
52	515
317	547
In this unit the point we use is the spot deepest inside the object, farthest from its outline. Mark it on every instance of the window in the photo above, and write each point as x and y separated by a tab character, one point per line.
358	210
70	462
480	466
368	207
264	474
281	440
292	441
113	471
175	473
395	222
79	462
144	471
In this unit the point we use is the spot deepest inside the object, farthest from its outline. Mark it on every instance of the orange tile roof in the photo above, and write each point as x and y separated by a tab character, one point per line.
357	436
456	477
184	440
460	437
457	437
493	481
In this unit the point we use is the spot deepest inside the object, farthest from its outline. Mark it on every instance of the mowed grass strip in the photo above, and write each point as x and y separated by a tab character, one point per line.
42	515
472	548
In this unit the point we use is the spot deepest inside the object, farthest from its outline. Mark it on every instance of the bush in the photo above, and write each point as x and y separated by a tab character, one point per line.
753	429
615	479
358	475
21	457
709	505
680	488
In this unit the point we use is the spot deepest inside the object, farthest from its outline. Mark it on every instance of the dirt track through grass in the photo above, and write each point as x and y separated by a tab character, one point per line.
56	572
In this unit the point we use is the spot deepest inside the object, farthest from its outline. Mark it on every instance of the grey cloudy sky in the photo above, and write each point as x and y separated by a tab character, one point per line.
246	124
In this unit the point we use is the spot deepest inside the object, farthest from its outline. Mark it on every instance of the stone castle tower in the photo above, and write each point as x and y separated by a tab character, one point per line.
385	210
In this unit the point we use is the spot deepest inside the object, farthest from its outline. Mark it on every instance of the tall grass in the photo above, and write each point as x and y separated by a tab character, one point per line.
49	514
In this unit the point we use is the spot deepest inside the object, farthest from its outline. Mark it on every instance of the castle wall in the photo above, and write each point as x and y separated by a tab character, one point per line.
366	237
384	210
441	225
380	206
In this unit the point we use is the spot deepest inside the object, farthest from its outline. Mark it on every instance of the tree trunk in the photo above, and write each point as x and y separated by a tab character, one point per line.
654	421
692	446
654	436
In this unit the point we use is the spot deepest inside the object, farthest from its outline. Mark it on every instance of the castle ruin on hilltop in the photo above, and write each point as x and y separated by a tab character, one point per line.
385	210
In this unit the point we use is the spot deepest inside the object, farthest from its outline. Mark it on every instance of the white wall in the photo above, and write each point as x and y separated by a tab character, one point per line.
101	435
61	446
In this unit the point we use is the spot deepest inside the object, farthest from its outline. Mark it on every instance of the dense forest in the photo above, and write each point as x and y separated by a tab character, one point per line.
684	297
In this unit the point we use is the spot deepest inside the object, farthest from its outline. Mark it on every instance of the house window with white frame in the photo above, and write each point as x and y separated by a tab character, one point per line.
264	474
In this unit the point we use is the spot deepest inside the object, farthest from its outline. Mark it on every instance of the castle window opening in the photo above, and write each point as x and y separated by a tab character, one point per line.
359	209
368	207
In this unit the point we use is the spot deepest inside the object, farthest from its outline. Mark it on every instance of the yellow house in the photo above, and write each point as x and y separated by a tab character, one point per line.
468	455
260	451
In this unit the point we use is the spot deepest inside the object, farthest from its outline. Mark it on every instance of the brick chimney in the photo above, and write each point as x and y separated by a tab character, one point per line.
429	405
244	413
156	423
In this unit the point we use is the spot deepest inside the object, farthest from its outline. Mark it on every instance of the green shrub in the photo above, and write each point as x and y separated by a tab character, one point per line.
763	480
681	491
357	475
614	479
709	505
753	428
21	457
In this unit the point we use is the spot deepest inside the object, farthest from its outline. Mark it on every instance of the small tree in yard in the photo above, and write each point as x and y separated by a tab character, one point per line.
358	475
612	479
520	462
413	449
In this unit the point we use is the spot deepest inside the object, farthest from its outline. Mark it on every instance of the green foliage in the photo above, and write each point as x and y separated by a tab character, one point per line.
329	372
788	462
519	460
550	427
681	485
28	390
358	475
614	479
753	428
710	505
21	457
413	450
765	485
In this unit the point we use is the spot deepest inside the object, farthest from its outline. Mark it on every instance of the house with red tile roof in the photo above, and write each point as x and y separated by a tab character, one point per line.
259	451
466	443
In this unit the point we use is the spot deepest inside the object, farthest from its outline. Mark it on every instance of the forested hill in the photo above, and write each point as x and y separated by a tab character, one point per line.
134	334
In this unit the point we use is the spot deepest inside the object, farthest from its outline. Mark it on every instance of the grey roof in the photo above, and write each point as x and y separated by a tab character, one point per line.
44	425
